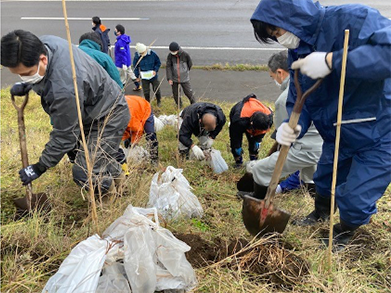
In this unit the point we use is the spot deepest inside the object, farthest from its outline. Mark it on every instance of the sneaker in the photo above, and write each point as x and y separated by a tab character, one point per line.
137	89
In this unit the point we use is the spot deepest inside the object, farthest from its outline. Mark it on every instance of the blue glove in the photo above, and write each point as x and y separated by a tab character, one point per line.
20	89
31	173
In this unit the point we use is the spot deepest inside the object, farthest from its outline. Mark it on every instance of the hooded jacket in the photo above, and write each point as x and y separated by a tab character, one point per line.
191	116
93	50
178	66
103	34
122	51
368	83
98	94
140	110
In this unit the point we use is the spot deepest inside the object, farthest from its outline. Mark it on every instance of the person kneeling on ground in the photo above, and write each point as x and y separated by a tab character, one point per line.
205	121
253	118
141	122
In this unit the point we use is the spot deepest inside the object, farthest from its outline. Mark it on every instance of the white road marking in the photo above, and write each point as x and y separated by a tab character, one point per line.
80	18
221	48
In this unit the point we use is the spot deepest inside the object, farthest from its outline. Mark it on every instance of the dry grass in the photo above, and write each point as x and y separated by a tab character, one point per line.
32	249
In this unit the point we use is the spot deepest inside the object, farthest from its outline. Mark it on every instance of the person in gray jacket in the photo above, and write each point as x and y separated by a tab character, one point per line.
178	67
43	64
303	155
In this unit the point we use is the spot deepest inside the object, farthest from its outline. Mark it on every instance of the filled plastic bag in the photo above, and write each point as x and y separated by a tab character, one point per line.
136	153
80	271
153	258
171	195
216	162
113	280
159	125
169	119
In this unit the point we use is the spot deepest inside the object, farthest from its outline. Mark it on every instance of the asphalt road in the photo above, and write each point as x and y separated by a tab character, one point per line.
217	31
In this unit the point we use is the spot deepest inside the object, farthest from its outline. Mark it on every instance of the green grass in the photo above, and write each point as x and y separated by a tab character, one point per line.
32	249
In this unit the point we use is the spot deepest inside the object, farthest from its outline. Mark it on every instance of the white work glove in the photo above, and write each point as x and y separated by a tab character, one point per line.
250	166
124	67
314	65
198	153
209	143
286	135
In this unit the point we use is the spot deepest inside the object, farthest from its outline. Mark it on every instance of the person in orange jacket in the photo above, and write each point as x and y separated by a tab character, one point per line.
141	122
252	118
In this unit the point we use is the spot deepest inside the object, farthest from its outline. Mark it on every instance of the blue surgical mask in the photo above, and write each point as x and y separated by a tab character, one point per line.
32	79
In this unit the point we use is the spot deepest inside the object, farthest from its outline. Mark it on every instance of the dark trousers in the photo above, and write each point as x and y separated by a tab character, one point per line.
186	89
146	88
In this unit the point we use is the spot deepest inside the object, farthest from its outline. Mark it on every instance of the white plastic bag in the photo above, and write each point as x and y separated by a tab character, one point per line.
136	153
172	196
154	258
80	271
159	125
217	162
169	120
113	280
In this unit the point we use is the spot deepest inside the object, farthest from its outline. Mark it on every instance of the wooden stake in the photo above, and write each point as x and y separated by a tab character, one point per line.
337	138
94	214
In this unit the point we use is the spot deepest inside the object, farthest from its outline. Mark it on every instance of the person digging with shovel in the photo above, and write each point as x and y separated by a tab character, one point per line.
43	63
314	36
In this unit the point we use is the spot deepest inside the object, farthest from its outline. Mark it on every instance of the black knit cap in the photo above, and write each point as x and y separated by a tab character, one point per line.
173	47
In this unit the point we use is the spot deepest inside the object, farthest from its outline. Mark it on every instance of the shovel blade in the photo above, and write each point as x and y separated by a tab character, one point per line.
39	202
275	221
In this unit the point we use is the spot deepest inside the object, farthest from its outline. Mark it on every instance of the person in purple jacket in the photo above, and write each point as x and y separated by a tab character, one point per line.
123	59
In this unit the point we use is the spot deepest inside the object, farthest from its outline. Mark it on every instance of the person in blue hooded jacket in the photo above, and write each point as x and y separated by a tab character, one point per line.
123	59
314	36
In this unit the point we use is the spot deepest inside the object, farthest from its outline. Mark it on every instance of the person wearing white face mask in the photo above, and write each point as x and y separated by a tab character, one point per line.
364	162
178	67
304	153
43	64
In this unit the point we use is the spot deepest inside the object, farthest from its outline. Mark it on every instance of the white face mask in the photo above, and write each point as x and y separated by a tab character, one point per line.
289	40
33	79
277	83
174	53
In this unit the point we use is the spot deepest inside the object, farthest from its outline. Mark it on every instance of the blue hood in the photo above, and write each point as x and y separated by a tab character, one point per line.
124	38
300	17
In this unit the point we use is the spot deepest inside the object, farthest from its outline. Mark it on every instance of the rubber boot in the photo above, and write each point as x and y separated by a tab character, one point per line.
342	235
238	161
311	189
320	214
259	191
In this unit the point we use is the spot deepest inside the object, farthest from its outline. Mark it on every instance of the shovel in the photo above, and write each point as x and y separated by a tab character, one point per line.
30	201
260	216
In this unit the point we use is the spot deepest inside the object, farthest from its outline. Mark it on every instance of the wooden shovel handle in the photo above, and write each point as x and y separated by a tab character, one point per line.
22	141
294	118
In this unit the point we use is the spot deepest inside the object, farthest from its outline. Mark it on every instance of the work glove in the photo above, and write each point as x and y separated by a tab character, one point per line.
127	143
124	67
250	166
20	89
120	156
31	173
198	153
209	143
314	65
286	135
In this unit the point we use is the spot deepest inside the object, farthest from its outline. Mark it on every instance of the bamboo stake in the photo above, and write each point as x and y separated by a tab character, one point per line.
94	215
337	139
